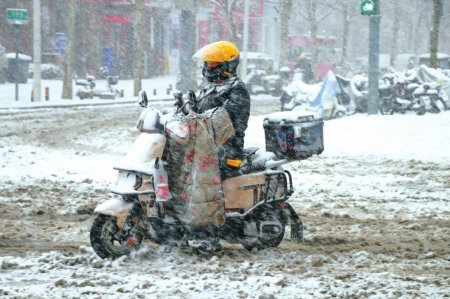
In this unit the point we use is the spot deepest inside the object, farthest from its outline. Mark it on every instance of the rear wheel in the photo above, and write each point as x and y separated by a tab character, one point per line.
421	110
272	231
107	241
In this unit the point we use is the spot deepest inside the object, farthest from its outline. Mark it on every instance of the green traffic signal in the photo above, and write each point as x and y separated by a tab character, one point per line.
368	7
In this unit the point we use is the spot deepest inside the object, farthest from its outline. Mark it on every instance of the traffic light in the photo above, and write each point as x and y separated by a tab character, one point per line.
369	7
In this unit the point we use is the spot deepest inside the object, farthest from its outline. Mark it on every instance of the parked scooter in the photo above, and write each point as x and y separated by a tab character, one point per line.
255	203
90	89
359	89
411	95
254	81
390	91
302	96
427	97
87	89
110	91
274	83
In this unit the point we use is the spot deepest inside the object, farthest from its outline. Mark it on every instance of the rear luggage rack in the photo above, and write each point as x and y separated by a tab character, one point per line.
275	181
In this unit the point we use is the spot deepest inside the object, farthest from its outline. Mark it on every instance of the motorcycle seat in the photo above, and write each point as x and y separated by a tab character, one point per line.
412	86
82	82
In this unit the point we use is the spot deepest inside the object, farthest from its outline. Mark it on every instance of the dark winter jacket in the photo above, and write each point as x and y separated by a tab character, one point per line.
305	66
234	97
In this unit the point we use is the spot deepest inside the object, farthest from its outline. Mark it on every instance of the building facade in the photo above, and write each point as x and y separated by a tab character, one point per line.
104	31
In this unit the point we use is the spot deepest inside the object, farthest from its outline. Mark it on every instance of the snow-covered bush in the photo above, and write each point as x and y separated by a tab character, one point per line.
49	71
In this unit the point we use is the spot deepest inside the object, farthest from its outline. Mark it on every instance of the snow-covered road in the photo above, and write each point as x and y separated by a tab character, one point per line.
375	205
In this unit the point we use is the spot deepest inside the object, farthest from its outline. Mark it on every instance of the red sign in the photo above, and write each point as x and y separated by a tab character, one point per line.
117	19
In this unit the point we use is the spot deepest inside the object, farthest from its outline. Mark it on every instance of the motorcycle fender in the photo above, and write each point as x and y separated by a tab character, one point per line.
114	207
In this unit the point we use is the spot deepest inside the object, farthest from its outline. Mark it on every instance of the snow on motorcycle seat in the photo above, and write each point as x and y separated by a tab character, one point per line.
293	135
256	158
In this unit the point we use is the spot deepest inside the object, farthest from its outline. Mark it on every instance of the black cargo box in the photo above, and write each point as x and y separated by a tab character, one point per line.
294	138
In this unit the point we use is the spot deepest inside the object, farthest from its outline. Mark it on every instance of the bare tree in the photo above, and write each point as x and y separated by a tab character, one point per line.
285	9
422	22
228	7
311	15
346	29
348	10
67	91
434	34
398	12
395	31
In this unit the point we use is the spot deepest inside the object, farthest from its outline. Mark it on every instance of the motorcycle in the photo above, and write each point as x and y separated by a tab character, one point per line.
403	99
301	96
88	85
359	89
255	202
274	83
428	99
90	90
255	81
391	92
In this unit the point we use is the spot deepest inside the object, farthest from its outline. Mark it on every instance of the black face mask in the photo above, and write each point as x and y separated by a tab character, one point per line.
213	74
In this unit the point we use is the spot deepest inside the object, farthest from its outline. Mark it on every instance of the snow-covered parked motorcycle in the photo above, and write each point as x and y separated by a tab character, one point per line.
322	98
86	91
254	203
428	98
89	88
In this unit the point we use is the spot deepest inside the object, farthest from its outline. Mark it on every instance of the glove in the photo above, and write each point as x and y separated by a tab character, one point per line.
178	99
192	100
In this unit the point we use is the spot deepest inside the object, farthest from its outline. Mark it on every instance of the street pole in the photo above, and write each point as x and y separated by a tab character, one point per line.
374	53
37	50
17	17
16	29
245	41
187	68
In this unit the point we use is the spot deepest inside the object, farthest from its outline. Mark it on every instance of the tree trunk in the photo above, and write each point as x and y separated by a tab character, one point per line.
231	28
395	29
313	28
139	7
285	13
67	92
418	37
434	35
345	33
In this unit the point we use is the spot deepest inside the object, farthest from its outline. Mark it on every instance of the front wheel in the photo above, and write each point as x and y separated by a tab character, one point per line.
387	107
107	240
339	114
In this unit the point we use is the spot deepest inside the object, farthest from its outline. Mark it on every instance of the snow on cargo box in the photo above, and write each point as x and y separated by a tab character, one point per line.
294	138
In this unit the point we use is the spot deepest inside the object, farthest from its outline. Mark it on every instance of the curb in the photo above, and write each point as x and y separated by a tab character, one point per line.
87	103
80	103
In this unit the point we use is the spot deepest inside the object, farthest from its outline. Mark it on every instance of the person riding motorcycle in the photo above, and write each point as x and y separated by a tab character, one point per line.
222	88
304	66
